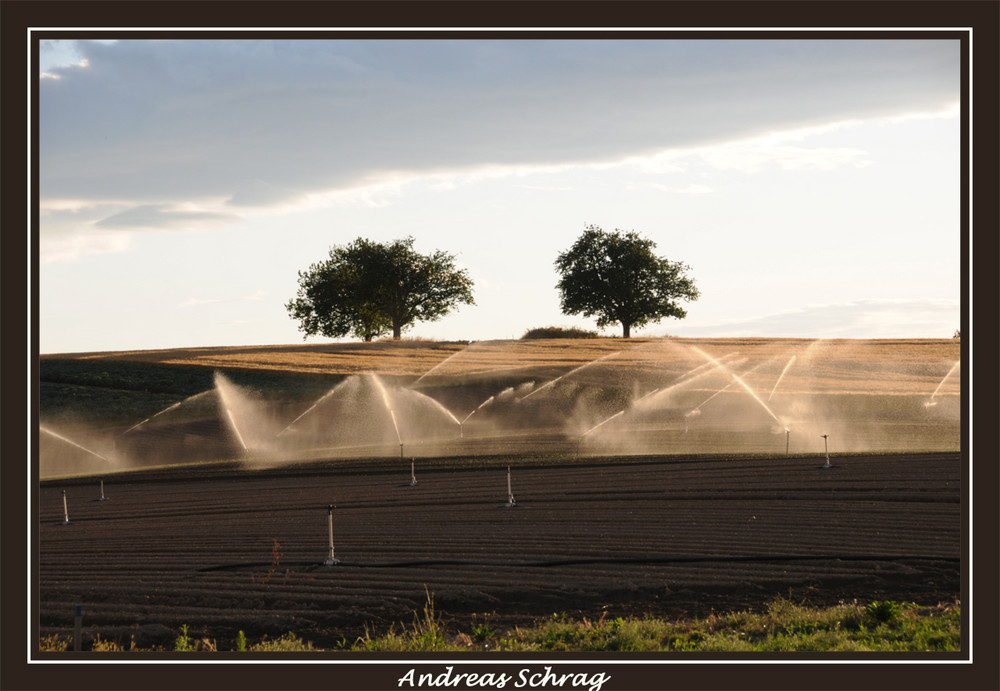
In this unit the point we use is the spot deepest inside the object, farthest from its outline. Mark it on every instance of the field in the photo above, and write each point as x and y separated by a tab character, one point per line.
222	550
627	501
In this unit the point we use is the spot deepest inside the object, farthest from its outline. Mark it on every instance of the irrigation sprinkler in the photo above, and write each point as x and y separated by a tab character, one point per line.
694	412
330	560
413	473
826	448
788	432
65	510
103	498
400	450
510	495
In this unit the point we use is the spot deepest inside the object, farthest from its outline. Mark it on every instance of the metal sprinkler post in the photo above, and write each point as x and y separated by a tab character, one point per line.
413	473
103	498
826	448
510	495
65	510
787	434
330	560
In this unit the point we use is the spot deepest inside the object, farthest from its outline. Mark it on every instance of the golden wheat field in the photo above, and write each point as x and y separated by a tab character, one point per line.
907	366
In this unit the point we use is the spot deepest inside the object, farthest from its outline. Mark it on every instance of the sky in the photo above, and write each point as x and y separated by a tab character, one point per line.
812	186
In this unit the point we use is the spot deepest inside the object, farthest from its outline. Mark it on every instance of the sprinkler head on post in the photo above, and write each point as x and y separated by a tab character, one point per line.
65	509
413	473
510	495
330	560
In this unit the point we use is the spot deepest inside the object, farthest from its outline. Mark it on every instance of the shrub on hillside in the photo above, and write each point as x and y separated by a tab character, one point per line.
558	332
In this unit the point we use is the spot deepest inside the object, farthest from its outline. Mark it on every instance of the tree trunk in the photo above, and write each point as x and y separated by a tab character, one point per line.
397	332
626	330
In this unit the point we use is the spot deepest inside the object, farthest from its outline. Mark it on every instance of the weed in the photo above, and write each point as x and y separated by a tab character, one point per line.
287	643
53	644
184	642
101	646
241	642
276	556
883	612
482	633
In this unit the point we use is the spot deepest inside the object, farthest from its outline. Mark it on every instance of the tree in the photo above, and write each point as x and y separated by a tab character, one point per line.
617	278
367	288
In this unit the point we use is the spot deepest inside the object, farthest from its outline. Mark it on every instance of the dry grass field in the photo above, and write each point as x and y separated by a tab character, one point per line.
416	358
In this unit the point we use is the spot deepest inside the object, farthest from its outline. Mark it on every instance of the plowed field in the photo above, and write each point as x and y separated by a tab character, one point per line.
222	549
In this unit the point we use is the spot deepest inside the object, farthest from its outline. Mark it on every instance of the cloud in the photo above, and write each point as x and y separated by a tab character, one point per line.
175	121
870	318
256	193
164	216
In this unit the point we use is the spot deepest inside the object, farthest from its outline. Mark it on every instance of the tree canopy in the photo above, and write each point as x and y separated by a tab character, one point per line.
617	278
367	289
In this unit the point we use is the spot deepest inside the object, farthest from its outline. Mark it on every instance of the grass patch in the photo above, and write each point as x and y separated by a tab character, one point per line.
783	626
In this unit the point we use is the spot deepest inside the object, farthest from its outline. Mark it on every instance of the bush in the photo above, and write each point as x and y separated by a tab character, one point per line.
558	332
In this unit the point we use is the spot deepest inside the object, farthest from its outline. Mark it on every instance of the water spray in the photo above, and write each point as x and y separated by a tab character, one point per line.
474	411
42	428
309	409
330	560
694	413
605	421
781	376
510	495
742	383
572	371
931	402
236	429
165	410
388	406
